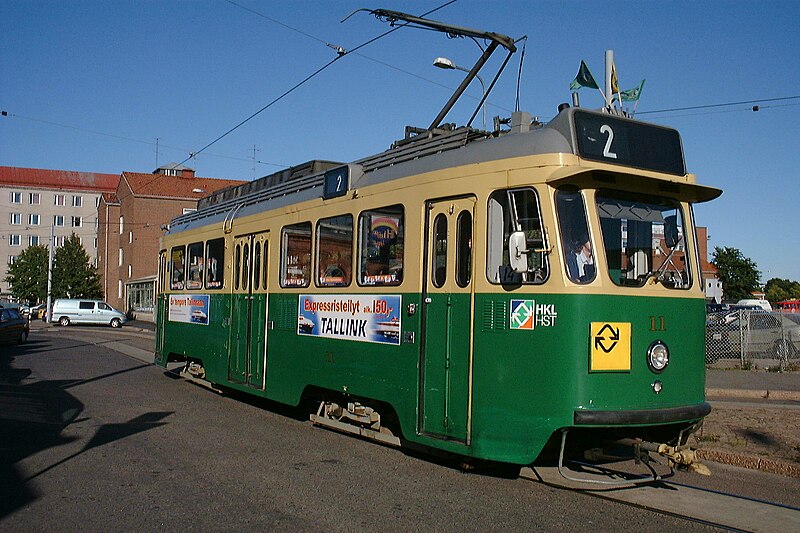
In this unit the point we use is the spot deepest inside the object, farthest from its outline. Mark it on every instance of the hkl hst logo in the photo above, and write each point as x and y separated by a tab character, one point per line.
525	314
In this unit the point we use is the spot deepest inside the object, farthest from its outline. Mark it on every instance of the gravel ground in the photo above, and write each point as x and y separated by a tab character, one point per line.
754	434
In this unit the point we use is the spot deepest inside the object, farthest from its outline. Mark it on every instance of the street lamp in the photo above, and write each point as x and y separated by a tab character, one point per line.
444	63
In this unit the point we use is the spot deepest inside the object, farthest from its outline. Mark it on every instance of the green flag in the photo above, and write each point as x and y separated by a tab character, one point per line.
583	79
632	95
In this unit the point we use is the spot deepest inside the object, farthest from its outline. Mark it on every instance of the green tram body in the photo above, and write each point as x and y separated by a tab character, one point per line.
485	361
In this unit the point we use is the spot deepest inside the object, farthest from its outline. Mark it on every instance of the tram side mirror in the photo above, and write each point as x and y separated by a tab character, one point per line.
517	252
671	231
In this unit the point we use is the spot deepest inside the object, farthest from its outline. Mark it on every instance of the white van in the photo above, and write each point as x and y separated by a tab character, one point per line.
68	311
763	304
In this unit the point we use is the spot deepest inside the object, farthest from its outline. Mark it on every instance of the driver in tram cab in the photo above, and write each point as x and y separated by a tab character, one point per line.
580	263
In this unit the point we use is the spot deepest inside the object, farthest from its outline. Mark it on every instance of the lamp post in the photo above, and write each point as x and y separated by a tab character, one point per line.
444	63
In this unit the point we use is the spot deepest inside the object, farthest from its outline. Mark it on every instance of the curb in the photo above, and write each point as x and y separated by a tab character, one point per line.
764	394
751	462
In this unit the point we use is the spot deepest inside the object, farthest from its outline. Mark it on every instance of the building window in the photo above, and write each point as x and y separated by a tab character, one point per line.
59	200
12	259
130	237
120	257
34	198
14	240
58	241
58	220
95	243
77	222
16	197
121	224
119	288
33	219
188	210
33	240
77	201
15	219
130	271
97	201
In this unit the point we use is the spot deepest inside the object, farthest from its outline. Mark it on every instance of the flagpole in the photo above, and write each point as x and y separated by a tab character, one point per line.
609	66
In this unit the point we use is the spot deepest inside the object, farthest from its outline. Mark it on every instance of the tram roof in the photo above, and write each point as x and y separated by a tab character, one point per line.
430	150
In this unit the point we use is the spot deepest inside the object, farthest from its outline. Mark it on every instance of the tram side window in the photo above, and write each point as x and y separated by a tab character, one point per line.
513	211
178	260
296	255
575	242
335	251
215	263
196	263
381	239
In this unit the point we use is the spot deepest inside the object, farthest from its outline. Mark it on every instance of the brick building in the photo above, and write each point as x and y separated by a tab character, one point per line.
712	283
129	230
33	200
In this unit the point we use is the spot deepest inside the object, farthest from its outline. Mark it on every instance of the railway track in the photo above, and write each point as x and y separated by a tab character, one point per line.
701	505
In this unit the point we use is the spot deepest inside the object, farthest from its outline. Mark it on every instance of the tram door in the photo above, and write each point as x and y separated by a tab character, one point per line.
162	309
448	309
248	354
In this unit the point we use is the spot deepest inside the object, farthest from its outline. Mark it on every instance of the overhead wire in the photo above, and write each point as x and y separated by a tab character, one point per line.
340	54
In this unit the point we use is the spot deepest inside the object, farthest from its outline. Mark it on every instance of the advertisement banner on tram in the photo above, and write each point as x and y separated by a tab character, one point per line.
361	318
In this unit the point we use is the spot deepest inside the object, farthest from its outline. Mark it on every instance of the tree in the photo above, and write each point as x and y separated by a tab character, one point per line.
28	274
739	275
781	289
73	275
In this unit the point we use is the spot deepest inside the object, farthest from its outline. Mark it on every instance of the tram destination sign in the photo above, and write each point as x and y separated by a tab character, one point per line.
627	142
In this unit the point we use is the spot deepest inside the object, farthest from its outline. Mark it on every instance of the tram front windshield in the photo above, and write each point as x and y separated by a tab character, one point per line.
644	239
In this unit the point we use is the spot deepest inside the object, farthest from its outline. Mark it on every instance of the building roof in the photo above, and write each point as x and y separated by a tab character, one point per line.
58	179
110	198
177	187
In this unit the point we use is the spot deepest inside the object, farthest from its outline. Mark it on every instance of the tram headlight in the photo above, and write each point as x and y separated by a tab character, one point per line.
657	356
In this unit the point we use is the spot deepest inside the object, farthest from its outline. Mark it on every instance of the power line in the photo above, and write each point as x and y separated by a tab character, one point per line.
157	142
340	54
710	106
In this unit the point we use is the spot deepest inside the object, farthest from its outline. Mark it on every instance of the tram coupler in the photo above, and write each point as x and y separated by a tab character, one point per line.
677	456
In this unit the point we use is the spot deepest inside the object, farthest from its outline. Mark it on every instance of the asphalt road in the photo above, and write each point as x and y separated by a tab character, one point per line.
96	440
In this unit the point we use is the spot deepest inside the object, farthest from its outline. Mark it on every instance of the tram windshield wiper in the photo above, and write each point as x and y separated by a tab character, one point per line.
658	274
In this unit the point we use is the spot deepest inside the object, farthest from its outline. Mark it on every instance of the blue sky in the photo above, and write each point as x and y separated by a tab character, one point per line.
90	85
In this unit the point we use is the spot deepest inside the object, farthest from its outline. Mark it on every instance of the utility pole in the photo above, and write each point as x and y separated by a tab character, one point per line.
50	275
254	161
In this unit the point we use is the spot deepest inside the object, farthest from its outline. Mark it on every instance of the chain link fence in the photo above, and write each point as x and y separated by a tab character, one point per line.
753	339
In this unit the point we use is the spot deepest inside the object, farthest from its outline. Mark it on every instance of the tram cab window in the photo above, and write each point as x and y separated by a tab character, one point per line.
515	211
335	251
576	243
215	263
196	265
296	255
178	268
644	239
381	240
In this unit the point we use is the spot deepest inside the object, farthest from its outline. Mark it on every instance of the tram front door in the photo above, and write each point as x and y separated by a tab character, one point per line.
249	298
446	365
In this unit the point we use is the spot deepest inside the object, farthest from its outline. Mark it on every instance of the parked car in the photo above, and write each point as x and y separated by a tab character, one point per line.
79	311
13	326
762	333
36	312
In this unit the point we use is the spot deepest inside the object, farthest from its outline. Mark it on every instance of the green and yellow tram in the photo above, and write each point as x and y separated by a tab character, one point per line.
492	295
